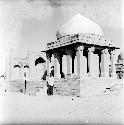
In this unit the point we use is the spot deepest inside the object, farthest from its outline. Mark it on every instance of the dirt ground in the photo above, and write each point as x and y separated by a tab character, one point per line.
18	108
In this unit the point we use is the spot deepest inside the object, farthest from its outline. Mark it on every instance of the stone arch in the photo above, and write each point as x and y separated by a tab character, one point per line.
39	68
15	66
39	60
26	66
26	71
16	72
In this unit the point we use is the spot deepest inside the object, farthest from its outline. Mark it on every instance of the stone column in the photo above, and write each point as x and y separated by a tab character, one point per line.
20	72
75	65
90	61
105	63
79	61
69	62
113	62
48	64
64	65
57	65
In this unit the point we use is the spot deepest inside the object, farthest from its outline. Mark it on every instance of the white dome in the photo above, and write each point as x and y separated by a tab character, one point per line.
79	24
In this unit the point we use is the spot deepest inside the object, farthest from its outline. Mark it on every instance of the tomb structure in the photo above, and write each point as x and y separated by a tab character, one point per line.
81	51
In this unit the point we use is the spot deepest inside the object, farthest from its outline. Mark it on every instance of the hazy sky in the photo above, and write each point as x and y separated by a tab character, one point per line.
30	24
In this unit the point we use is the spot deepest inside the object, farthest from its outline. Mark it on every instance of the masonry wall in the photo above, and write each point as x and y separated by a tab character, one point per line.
32	86
67	87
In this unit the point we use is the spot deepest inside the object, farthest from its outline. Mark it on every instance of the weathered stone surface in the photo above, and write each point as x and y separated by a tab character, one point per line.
64	65
96	87
86	38
18	86
105	61
96	65
67	87
90	61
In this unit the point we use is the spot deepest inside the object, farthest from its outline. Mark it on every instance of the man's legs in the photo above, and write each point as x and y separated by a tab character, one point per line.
25	86
48	90
51	90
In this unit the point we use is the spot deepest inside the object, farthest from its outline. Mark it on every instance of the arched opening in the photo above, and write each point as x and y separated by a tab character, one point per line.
26	66
15	66
16	72
39	60
26	71
39	68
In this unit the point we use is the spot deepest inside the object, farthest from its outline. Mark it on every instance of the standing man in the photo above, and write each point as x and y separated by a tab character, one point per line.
51	84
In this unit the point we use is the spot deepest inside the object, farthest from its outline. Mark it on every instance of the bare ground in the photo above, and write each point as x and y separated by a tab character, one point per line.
17	108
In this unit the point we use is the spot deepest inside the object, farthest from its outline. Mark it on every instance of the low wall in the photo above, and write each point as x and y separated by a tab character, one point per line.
88	86
67	87
18	86
95	87
72	87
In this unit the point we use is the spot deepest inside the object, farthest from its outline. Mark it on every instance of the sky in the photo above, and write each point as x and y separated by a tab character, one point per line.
28	25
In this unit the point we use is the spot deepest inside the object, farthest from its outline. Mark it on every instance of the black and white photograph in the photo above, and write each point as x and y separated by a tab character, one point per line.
61	62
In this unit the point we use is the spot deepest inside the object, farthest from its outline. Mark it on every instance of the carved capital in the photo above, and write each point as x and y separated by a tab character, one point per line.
47	55
80	48
104	51
92	49
113	52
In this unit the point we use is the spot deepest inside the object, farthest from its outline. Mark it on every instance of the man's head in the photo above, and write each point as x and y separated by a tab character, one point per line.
51	75
25	74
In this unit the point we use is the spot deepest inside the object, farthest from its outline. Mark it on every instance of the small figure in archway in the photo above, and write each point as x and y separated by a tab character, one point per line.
50	85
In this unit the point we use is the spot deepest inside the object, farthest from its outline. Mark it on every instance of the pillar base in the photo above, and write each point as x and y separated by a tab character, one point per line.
105	75
57	76
68	76
90	75
83	76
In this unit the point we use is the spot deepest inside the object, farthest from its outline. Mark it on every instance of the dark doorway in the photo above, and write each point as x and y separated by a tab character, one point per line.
39	60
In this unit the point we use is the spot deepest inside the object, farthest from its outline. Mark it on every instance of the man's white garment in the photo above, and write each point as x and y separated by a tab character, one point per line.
51	81
25	78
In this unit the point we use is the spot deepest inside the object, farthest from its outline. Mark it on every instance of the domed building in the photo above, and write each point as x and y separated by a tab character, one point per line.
80	46
80	52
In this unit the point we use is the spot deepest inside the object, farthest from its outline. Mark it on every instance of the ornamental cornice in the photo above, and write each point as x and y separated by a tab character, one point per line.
90	39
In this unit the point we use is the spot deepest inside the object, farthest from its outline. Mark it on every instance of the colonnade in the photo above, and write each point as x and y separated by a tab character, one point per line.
83	66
